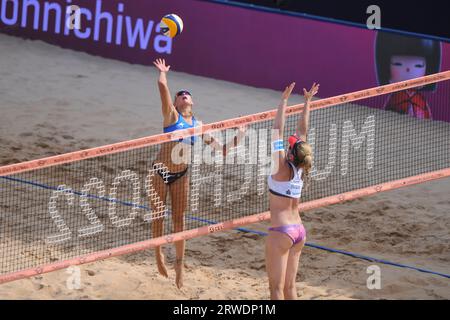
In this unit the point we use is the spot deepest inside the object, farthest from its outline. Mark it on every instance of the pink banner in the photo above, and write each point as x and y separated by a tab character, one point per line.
237	44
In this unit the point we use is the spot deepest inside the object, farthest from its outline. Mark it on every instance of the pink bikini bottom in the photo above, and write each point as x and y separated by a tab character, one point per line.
296	232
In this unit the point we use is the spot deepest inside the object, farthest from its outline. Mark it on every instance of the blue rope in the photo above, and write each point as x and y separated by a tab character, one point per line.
261	233
75	192
371	259
347	253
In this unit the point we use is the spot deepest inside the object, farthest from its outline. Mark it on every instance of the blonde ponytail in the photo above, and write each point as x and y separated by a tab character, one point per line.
305	155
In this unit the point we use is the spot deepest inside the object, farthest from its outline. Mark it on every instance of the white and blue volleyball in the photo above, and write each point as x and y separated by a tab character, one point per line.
171	25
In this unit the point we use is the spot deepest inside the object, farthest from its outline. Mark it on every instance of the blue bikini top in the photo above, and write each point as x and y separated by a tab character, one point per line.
180	125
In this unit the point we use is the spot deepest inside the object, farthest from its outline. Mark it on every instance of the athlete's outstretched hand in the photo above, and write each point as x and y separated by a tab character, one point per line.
287	92
312	92
160	64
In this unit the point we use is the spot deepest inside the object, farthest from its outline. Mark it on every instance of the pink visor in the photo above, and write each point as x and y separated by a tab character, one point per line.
292	140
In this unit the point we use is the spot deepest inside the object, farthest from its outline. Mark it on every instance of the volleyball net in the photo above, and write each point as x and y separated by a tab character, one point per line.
121	198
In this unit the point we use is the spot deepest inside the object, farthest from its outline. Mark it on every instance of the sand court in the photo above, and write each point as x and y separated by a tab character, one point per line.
56	101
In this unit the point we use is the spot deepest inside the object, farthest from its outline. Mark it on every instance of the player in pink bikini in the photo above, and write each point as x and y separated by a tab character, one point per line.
287	234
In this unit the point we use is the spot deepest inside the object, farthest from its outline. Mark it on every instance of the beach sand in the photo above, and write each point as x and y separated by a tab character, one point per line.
55	101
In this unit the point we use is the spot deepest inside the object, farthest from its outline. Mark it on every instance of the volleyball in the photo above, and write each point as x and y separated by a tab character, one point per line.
171	25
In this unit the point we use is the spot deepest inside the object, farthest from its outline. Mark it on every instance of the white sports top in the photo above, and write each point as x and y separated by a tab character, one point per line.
290	189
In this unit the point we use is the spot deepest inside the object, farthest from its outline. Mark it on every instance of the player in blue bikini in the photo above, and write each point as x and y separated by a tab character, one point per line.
171	170
287	234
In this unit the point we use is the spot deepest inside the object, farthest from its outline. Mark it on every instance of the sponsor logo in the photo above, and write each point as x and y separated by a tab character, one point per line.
215	228
362	94
84	154
241	121
401	86
218	125
343	98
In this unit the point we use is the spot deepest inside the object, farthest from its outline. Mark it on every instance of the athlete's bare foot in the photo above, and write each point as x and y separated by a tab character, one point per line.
179	270
161	264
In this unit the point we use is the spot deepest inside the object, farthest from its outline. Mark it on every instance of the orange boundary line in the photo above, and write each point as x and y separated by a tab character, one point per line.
221	125
143	245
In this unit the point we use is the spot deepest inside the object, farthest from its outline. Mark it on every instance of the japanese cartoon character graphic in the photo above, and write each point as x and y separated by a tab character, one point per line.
400	58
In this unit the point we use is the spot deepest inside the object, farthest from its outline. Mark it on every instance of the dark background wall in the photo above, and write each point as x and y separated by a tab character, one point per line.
423	17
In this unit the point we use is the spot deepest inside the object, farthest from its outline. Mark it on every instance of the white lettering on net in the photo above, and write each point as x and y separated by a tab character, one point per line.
243	156
332	146
218	182
195	182
197	179
264	162
208	157
157	206
274	157
124	175
64	231
349	135
95	225
216	160
252	146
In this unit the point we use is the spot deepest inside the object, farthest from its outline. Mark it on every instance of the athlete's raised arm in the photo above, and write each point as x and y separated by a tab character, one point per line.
168	110
303	121
278	123
278	154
